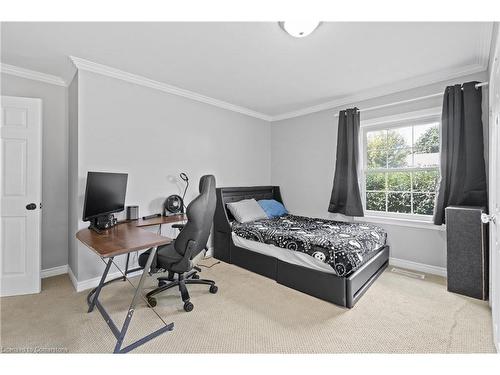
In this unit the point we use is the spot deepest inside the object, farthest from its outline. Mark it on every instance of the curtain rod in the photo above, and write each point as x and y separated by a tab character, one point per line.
411	100
480	84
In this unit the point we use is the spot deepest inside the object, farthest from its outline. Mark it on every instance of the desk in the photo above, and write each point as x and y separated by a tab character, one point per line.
119	240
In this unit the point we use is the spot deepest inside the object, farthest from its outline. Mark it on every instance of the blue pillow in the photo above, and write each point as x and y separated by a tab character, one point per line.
273	208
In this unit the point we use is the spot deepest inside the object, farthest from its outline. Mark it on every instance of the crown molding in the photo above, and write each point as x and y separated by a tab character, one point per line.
82	64
399	86
32	74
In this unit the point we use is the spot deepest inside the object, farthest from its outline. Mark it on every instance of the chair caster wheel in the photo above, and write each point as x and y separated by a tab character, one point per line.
213	289
195	277
188	306
151	302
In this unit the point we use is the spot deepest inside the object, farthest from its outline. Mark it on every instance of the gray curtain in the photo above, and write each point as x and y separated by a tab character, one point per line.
346	198
463	171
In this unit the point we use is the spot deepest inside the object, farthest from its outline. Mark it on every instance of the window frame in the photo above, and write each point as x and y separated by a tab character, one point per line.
388	122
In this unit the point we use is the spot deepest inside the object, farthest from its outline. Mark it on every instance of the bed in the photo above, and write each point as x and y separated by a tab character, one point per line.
289	249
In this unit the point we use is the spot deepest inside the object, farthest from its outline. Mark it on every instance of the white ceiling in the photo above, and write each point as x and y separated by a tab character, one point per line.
256	65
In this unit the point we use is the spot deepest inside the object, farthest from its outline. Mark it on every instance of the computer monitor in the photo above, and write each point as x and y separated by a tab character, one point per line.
104	194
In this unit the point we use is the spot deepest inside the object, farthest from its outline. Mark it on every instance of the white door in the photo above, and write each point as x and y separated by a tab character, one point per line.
20	187
494	201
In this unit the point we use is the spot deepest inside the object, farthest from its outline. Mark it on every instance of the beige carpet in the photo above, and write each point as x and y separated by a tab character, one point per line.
253	314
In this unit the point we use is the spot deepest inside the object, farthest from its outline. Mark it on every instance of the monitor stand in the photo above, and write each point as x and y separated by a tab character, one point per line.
94	227
102	223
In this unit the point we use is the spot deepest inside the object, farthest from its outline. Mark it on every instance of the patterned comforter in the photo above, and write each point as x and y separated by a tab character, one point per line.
344	246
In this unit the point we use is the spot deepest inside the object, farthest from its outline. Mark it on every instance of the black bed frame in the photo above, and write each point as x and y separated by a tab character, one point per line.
343	291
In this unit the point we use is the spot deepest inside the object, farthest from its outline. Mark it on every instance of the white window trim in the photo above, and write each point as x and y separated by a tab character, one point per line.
407	116
412	222
401	219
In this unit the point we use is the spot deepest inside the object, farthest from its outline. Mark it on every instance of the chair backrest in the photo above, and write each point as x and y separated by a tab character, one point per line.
200	215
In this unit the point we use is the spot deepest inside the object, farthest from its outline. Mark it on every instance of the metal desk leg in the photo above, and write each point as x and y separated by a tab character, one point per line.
101	284
120	334
131	310
126	268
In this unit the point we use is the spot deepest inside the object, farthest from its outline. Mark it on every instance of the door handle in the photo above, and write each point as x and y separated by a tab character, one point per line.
485	218
31	206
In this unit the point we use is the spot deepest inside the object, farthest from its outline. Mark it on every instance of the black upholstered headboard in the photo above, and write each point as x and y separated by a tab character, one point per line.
223	217
234	194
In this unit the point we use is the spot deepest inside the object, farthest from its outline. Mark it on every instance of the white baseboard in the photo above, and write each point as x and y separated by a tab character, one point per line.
92	283
72	277
414	266
54	271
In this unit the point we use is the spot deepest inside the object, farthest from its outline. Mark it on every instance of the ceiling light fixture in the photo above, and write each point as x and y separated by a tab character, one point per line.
299	29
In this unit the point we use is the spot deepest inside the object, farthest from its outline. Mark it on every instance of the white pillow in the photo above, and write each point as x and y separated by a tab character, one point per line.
247	210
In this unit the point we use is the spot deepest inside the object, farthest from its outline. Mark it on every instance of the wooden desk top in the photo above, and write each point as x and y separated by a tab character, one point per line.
126	237
159	220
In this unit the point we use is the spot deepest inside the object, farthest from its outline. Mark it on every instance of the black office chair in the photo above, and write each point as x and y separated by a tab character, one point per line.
179	257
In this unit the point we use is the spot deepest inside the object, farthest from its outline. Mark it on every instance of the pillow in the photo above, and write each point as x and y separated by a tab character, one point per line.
246	210
273	208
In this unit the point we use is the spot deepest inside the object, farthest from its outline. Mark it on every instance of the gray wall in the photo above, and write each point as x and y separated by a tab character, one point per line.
303	163
152	136
54	164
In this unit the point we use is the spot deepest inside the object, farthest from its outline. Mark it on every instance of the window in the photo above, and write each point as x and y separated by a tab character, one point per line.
401	167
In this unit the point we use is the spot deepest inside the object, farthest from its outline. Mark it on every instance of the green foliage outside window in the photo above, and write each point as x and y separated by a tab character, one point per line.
375	201
428	142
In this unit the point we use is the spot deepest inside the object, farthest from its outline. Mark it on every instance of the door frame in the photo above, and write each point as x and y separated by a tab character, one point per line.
494	185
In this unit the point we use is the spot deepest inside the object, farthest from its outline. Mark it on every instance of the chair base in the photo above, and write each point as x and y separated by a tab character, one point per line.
181	281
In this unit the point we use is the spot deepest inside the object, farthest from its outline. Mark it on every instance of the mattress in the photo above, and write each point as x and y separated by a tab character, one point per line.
340	246
293	257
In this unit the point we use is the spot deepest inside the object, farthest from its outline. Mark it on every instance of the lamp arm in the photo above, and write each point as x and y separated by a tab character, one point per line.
183	195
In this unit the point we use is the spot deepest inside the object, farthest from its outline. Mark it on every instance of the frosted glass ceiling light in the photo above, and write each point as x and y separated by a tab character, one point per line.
299	29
